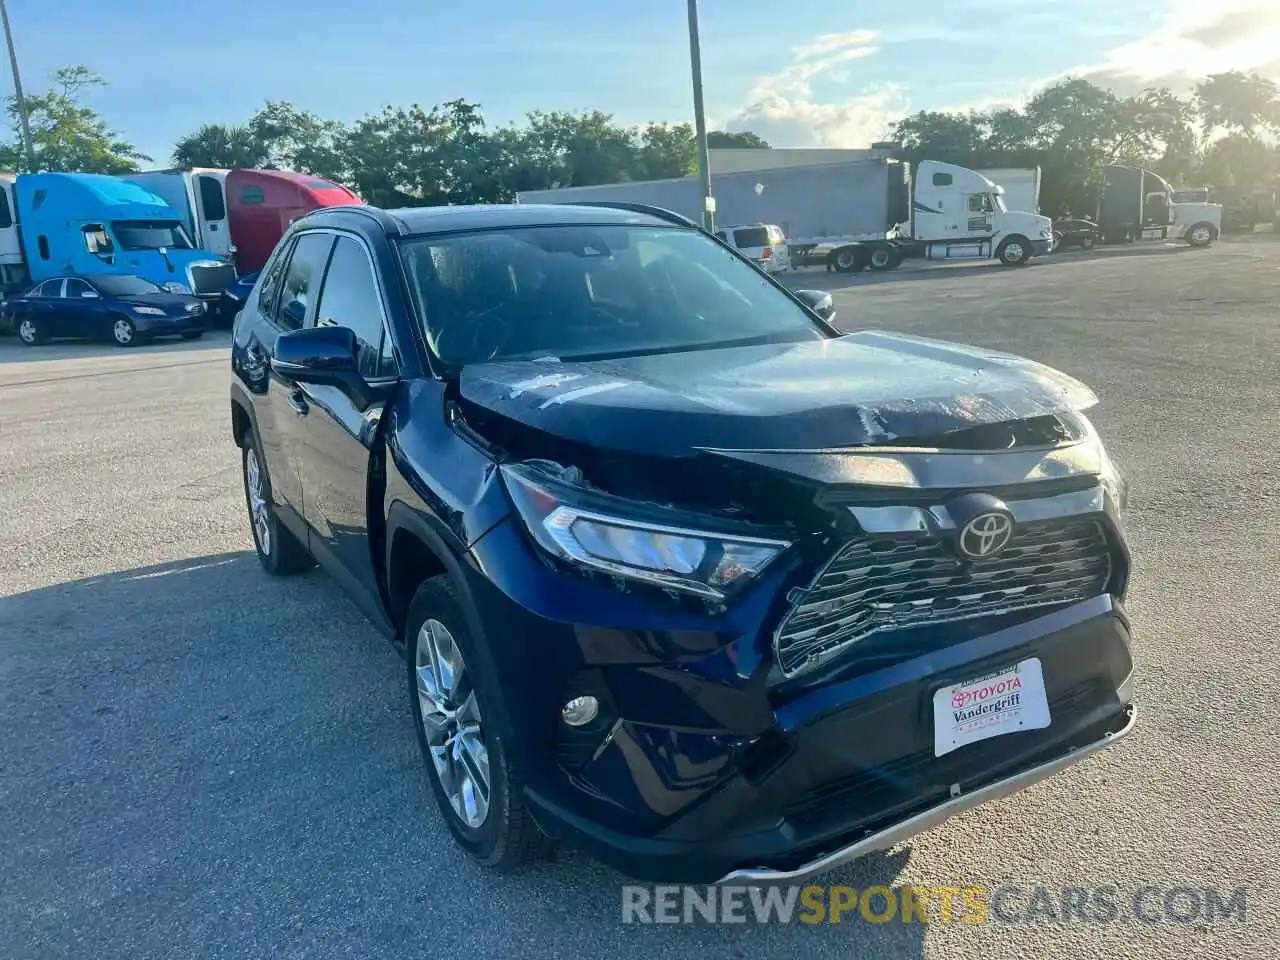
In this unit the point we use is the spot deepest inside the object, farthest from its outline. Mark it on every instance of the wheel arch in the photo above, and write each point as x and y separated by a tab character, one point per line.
243	419
415	552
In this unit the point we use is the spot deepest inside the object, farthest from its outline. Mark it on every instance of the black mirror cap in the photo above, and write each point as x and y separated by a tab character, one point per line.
322	355
819	301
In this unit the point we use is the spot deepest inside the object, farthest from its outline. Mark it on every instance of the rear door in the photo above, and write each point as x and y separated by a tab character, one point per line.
333	438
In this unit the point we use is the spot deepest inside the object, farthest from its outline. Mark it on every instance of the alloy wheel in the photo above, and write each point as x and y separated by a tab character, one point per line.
27	332
122	331
258	508
1013	252
1200	235
452	724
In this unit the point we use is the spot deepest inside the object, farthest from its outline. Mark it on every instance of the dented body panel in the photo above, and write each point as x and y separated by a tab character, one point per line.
859	389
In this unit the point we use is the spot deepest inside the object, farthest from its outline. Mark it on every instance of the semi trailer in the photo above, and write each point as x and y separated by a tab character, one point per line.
850	215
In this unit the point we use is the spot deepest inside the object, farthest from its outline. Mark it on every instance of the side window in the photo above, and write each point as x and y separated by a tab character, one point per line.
302	279
6	215
252	196
211	201
50	288
43	243
271	279
97	241
74	288
979	203
942	179
350	299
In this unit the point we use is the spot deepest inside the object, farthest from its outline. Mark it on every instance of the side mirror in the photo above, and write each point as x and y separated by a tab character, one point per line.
819	301
232	249
323	355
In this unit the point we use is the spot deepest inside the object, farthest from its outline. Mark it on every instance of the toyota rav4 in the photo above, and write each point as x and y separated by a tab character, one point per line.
680	572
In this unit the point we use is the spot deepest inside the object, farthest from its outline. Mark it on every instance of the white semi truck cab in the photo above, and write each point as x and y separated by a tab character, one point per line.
955	214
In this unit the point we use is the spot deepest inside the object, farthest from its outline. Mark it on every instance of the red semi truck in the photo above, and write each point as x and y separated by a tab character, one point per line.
262	203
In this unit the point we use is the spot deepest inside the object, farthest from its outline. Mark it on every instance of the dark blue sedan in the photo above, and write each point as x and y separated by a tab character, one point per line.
124	309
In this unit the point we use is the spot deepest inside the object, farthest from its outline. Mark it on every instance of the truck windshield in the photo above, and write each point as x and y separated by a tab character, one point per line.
150	235
578	292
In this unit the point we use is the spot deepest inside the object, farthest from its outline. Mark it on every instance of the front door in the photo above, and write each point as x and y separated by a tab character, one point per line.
81	305
940	211
211	209
287	301
334	438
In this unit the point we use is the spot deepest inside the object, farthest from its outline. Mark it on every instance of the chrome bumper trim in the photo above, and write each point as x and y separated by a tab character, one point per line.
931	818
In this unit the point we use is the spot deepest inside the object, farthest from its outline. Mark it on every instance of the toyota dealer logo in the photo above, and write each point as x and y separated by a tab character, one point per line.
985	535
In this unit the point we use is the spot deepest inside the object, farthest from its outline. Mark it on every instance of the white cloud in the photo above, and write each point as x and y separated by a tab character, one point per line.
784	111
1193	41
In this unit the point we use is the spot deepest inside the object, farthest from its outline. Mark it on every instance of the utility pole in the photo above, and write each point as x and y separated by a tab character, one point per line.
699	121
19	99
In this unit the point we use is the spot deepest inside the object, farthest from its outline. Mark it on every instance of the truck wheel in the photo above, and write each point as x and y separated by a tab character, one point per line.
847	260
454	701
885	259
1201	234
1014	251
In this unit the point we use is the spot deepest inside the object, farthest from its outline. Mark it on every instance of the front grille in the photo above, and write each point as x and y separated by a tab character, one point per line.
893	582
211	278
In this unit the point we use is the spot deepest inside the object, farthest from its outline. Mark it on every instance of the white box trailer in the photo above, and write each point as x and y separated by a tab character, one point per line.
849	215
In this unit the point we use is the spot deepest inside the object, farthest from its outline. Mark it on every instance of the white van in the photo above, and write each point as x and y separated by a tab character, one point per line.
762	242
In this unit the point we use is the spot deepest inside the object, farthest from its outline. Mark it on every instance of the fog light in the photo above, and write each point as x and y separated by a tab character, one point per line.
580	711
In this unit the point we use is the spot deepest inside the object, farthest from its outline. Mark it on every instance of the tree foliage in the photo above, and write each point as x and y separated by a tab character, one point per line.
66	135
1074	128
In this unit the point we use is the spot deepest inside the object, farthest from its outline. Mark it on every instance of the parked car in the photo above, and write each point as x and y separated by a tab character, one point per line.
232	299
680	573
1075	233
763	243
124	309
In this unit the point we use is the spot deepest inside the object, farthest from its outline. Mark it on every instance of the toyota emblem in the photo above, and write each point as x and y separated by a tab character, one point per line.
985	535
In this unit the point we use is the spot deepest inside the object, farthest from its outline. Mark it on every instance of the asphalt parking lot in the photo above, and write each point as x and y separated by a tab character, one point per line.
198	761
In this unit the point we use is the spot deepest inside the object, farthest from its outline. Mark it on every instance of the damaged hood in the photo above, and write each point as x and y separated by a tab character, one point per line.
863	388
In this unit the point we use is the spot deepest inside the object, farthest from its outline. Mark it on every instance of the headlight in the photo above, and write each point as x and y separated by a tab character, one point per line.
149	311
174	287
623	539
1113	480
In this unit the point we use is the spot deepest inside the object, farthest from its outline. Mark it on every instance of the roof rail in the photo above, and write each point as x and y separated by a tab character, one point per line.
389	224
661	213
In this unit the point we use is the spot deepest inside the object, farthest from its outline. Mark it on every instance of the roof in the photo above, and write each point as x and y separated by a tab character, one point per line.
479	216
104	189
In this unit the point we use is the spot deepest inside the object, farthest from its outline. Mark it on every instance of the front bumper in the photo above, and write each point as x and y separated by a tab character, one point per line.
162	326
703	773
1041	248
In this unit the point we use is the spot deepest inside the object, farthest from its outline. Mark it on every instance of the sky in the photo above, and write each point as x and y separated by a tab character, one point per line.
820	74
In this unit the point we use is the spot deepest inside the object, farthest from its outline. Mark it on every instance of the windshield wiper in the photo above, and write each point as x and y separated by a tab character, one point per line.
788	337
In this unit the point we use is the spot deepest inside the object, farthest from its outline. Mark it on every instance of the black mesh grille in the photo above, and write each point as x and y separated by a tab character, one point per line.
881	583
212	278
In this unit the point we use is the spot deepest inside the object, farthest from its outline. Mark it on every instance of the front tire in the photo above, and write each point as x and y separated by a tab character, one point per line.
279	551
123	332
1201	234
454	701
1014	251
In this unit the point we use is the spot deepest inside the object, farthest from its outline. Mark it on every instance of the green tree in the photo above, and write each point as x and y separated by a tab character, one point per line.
1244	103
665	151
66	135
221	146
725	140
299	140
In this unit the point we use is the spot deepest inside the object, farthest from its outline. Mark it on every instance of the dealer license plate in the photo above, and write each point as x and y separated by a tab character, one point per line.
1008	701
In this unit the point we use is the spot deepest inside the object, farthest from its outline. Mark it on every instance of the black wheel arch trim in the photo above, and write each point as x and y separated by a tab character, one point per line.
243	402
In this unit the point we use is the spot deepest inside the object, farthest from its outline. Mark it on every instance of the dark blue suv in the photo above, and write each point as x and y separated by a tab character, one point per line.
681	573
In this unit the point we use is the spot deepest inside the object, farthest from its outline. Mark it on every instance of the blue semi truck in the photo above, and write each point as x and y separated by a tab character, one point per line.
58	223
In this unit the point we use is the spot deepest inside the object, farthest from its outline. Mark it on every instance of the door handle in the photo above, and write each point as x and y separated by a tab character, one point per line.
298	401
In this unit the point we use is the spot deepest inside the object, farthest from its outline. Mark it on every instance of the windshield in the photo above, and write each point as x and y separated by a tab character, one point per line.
150	234
574	292
125	286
